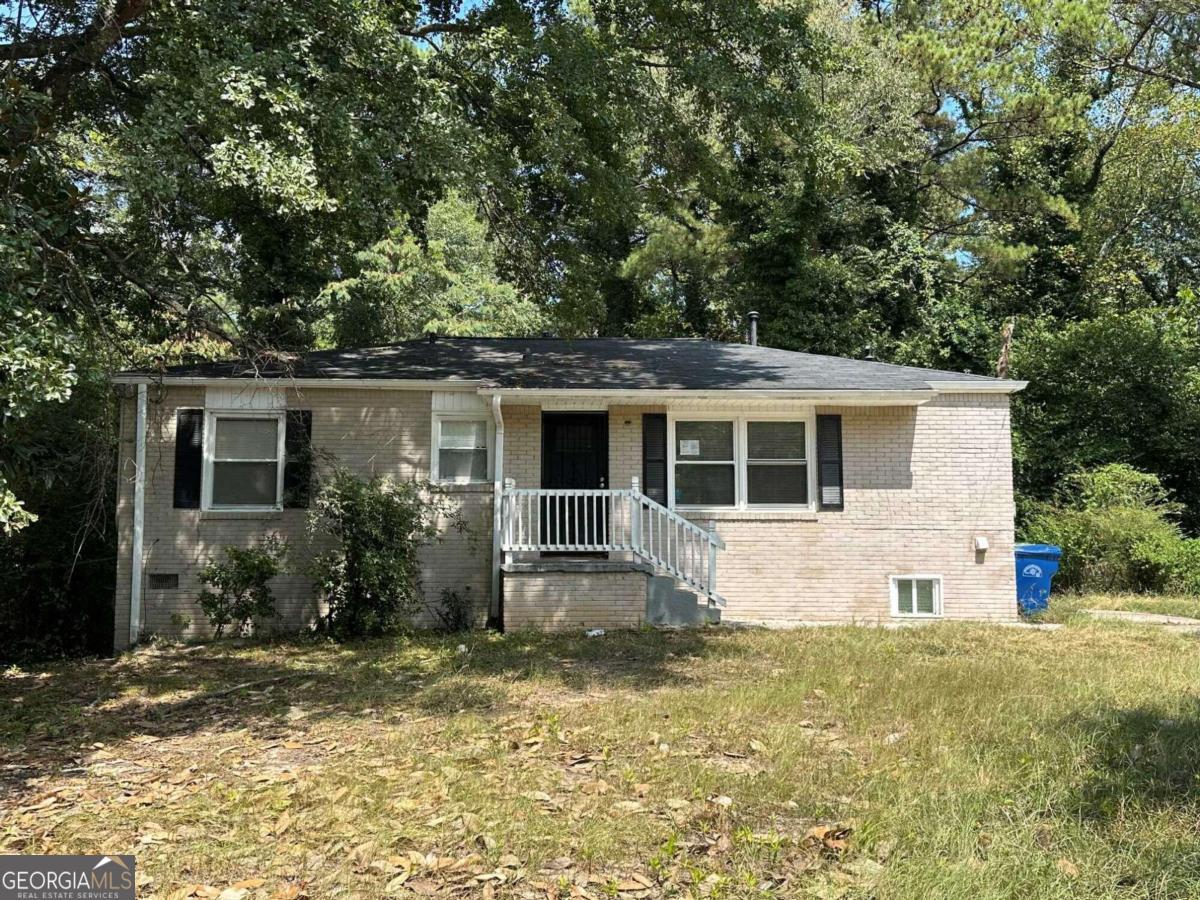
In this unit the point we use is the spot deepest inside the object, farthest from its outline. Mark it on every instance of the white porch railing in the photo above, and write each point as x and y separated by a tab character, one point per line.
611	521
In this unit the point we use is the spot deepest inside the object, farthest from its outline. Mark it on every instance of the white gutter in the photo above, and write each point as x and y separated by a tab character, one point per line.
978	387
662	396
379	384
497	501
139	516
830	397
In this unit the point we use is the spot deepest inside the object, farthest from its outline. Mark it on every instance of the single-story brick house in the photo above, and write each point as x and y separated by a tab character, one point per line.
607	482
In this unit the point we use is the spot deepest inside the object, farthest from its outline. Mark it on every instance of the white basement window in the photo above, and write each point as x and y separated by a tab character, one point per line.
917	595
705	466
460	450
244	460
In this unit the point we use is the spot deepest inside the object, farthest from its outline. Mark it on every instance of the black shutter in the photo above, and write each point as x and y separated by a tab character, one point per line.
829	462
297	466
654	456
189	457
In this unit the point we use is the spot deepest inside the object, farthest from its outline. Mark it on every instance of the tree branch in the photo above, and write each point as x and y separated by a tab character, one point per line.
106	29
434	28
1169	77
61	43
1103	150
169	303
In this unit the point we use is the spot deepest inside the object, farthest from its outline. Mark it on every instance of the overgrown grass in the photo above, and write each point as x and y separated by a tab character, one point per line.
1064	606
947	761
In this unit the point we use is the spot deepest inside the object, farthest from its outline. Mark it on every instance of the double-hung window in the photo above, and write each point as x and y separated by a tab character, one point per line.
741	462
461	449
245	460
776	463
705	463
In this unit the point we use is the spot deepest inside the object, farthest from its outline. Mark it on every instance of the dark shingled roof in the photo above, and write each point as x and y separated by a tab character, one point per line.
597	363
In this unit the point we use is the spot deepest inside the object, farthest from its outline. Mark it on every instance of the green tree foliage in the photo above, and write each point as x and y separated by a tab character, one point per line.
58	574
449	285
908	180
1123	387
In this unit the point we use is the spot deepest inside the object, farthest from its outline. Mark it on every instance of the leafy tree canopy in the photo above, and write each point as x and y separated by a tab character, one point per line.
945	182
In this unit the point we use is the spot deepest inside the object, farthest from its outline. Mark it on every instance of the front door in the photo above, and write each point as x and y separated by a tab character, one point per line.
574	455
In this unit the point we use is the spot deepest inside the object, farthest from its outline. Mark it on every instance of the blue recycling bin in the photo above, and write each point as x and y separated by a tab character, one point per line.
1036	565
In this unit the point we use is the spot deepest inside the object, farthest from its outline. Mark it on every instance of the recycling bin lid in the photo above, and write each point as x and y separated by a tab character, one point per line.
1043	550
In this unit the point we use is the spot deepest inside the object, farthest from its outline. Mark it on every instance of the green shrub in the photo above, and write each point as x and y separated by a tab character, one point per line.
456	612
1170	565
1118	533
371	579
242	592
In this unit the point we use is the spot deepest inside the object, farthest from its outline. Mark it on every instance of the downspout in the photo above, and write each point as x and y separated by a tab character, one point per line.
139	516
497	502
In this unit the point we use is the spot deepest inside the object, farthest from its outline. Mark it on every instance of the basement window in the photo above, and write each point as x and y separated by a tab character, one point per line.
917	596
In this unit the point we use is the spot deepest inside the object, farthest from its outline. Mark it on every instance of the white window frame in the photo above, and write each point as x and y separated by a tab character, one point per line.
436	440
938	596
673	446
211	417
807	415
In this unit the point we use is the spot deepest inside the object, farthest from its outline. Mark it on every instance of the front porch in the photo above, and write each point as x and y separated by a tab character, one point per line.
599	558
793	508
578	542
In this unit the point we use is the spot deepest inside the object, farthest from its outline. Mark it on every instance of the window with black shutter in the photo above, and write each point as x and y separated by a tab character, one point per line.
297	467
654	456
189	457
829	462
245	455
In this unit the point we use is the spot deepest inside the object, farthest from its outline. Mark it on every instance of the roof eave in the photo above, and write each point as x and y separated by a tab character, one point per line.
997	386
412	384
838	396
828	397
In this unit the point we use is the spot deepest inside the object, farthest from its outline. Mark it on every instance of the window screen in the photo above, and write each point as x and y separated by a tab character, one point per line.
704	464
245	470
462	450
776	463
918	596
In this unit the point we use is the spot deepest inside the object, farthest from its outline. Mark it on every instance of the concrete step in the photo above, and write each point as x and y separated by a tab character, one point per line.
669	604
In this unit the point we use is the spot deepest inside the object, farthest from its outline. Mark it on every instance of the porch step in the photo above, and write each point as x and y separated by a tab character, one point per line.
669	604
577	565
564	593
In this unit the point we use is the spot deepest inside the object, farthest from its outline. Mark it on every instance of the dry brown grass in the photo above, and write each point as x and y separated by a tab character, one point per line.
948	761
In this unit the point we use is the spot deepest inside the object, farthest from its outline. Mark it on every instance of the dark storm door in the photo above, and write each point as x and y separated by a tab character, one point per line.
574	456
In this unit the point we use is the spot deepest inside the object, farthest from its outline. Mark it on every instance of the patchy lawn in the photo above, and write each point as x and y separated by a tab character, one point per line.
1064	606
947	761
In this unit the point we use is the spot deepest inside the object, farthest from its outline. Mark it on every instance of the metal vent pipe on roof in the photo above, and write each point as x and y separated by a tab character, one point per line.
753	329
